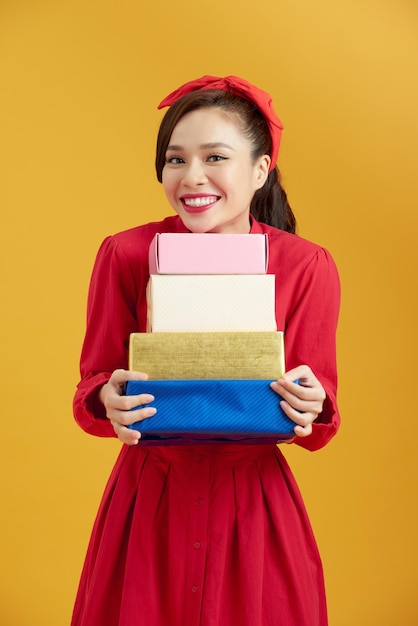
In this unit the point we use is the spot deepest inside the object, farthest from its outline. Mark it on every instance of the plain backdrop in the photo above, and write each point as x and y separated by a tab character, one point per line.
79	84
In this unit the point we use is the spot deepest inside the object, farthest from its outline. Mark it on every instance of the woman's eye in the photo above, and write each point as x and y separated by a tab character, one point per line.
174	160
216	157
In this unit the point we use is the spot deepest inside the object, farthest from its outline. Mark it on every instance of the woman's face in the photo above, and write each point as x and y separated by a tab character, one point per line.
209	176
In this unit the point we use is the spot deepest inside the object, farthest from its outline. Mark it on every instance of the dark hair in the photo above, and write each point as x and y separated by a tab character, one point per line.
269	204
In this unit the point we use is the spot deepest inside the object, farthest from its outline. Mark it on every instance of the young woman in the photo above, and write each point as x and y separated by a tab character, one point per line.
212	534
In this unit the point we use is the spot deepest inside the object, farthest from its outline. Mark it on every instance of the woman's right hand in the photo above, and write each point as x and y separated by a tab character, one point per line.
118	406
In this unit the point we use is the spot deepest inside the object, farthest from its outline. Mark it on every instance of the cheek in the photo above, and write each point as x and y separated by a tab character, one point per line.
227	181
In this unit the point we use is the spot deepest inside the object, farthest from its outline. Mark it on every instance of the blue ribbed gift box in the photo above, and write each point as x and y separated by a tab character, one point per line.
229	410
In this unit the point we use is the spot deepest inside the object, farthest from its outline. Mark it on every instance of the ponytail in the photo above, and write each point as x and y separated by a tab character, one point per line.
270	205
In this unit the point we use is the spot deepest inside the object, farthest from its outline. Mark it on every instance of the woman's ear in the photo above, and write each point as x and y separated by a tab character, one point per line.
262	167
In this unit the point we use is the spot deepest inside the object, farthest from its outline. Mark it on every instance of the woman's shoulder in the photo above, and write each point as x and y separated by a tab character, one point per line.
289	246
130	247
133	243
300	263
144	232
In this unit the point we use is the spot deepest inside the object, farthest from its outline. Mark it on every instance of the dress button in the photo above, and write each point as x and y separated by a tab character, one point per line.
194	589
199	502
196	545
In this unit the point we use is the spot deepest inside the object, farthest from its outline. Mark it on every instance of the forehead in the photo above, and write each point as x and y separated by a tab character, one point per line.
207	125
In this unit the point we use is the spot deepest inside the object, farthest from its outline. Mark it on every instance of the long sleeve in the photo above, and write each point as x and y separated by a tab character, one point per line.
112	314
307	309
116	307
310	339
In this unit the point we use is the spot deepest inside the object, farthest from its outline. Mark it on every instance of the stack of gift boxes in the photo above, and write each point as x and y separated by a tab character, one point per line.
212	347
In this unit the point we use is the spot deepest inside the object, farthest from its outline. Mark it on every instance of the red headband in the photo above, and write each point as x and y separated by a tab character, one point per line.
243	89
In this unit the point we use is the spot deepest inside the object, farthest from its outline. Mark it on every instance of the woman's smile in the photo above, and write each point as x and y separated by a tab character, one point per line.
195	203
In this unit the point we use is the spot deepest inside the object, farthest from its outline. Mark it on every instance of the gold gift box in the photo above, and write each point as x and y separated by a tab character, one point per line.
208	355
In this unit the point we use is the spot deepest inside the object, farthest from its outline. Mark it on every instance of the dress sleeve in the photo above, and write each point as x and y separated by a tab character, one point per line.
311	338
111	317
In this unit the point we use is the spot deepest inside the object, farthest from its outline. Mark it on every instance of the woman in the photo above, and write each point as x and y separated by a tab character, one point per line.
208	535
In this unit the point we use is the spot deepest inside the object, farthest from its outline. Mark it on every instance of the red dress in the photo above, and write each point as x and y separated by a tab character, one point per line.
204	535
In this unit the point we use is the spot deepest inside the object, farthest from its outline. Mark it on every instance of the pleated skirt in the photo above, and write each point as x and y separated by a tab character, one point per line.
201	535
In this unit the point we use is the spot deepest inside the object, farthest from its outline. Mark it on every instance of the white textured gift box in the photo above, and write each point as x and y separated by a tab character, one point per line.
187	303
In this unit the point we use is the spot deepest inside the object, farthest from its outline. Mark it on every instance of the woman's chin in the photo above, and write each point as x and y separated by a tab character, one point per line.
197	223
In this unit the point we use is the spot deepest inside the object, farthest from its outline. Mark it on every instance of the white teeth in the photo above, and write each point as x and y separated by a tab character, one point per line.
204	201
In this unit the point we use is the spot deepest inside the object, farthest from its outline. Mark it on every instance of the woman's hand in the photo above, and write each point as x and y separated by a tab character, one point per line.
302	402
118	405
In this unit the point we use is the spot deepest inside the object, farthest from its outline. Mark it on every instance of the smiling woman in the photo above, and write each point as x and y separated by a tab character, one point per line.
217	533
246	128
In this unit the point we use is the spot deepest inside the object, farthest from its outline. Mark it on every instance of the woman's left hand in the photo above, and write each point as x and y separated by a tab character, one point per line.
302	402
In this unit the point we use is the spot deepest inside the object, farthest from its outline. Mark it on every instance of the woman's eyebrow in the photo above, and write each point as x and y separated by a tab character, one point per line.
204	146
216	144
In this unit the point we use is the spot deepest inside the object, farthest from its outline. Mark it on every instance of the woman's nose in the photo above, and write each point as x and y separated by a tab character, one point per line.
194	173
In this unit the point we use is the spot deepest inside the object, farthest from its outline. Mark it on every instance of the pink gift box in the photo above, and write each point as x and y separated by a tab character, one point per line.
208	253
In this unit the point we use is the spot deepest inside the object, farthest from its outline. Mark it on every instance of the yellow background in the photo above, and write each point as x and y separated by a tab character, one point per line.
79	84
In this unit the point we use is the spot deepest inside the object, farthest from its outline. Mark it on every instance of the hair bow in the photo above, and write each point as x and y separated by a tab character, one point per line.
242	88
